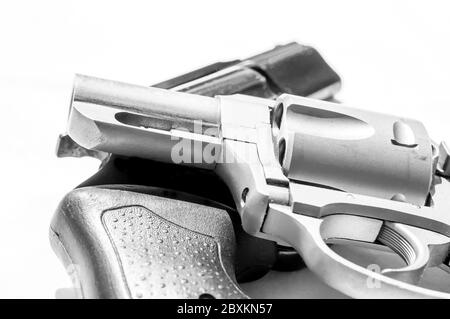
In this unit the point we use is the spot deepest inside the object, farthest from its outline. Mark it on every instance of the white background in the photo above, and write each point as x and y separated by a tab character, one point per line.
392	57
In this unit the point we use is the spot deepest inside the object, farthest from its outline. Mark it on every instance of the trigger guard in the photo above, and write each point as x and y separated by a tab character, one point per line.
399	238
305	234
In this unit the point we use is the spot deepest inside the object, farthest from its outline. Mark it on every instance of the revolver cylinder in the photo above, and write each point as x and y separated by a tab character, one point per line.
353	150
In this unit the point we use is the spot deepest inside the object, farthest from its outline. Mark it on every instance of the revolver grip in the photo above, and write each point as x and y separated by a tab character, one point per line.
127	244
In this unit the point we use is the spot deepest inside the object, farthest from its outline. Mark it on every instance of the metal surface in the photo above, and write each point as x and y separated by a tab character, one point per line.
298	210
66	147
339	147
168	111
444	160
287	68
291	68
305	234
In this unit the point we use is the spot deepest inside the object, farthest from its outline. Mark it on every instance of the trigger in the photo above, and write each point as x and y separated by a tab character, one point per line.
419	249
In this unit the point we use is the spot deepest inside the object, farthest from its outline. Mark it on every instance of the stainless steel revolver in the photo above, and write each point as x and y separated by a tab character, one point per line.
303	172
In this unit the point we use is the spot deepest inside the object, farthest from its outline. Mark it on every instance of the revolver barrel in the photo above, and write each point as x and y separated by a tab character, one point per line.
140	121
169	106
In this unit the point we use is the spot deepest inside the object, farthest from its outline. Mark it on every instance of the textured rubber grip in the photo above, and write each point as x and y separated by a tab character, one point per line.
125	244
